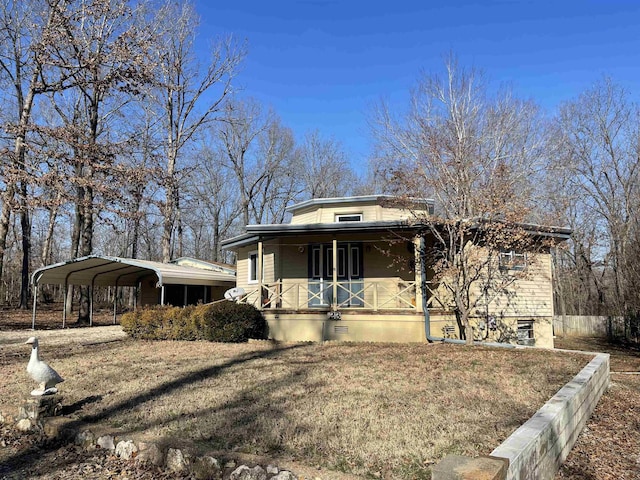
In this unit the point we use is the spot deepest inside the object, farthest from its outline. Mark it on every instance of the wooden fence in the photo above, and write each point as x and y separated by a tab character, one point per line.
594	326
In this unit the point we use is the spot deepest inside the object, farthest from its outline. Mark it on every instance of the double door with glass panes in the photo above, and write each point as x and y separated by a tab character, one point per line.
349	275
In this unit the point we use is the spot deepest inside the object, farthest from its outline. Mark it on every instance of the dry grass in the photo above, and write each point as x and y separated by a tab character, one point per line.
369	409
609	446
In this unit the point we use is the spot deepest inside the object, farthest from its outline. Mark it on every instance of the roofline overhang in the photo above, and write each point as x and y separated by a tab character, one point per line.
256	233
143	265
37	274
560	233
358	199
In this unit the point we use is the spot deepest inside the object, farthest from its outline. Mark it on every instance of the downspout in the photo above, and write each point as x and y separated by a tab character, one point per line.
427	320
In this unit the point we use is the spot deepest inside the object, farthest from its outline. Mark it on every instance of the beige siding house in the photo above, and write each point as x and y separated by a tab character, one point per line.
348	269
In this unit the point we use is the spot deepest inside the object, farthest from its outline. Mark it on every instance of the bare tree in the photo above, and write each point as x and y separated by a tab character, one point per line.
598	150
255	147
215	201
25	32
188	98
101	48
476	156
324	168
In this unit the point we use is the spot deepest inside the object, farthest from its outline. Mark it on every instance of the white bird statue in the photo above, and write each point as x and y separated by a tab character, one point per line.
41	372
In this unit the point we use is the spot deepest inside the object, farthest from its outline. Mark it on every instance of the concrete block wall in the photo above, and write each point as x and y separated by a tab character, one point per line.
537	449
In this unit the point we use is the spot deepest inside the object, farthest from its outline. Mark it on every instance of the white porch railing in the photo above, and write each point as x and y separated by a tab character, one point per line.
395	294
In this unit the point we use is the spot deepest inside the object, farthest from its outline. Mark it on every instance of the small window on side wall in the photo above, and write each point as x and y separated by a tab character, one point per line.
350	217
511	260
253	267
525	333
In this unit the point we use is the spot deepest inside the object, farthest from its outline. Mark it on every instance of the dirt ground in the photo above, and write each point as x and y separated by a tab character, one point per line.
609	446
49	317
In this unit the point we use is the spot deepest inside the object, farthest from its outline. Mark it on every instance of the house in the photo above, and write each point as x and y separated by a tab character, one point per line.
374	293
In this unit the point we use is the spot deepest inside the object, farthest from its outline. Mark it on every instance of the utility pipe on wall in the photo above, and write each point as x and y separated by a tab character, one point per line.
427	319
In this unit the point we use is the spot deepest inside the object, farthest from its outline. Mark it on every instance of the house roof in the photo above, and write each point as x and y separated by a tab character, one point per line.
257	232
261	232
109	271
354	200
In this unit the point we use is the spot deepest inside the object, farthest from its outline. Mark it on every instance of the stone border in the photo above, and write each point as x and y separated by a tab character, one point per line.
537	449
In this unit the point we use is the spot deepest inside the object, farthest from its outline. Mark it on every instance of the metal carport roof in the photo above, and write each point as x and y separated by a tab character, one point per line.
110	271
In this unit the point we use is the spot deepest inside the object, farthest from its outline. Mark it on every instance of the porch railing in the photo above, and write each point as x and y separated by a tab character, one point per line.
394	294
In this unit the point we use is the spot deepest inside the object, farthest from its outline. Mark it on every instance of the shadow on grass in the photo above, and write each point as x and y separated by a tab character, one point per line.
74	407
30	456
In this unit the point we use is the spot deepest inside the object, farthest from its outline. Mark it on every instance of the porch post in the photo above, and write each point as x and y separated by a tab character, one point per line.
184	300
162	295
259	273
335	274
418	274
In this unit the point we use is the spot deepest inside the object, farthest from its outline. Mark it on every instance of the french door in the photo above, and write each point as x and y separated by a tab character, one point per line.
349	275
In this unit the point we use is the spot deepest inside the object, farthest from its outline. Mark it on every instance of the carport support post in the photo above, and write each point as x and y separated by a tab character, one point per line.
91	303
35	302
64	304
115	302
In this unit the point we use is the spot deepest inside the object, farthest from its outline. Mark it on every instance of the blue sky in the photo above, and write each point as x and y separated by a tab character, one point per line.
321	64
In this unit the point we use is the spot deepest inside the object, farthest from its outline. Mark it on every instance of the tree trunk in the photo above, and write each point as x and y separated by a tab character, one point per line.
86	248
5	223
25	224
45	256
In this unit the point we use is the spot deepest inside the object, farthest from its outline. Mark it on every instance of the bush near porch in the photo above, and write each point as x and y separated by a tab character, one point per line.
218	322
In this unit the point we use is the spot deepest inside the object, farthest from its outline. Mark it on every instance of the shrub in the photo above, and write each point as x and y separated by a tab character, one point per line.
218	322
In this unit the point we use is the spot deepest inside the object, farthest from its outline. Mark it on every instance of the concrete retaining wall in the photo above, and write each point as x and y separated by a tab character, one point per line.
537	449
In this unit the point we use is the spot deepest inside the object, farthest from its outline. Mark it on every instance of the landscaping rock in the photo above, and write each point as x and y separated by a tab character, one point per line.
284	475
245	473
126	449
85	438
205	468
107	442
150	454
59	427
37	407
24	425
176	461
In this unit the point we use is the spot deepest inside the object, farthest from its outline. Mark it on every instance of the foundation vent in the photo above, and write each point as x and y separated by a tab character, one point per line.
340	329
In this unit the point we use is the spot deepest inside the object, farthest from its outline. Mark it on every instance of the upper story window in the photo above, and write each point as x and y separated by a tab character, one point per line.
511	260
348	217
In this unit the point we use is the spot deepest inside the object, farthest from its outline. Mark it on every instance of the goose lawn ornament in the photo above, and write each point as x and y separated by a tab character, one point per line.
41	372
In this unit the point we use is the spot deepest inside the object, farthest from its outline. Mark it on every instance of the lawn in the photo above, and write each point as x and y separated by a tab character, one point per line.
382	410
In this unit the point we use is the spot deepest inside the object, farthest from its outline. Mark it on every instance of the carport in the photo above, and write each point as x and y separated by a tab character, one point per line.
106	271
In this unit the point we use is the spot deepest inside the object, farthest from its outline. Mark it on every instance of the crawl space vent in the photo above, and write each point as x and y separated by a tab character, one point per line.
340	329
